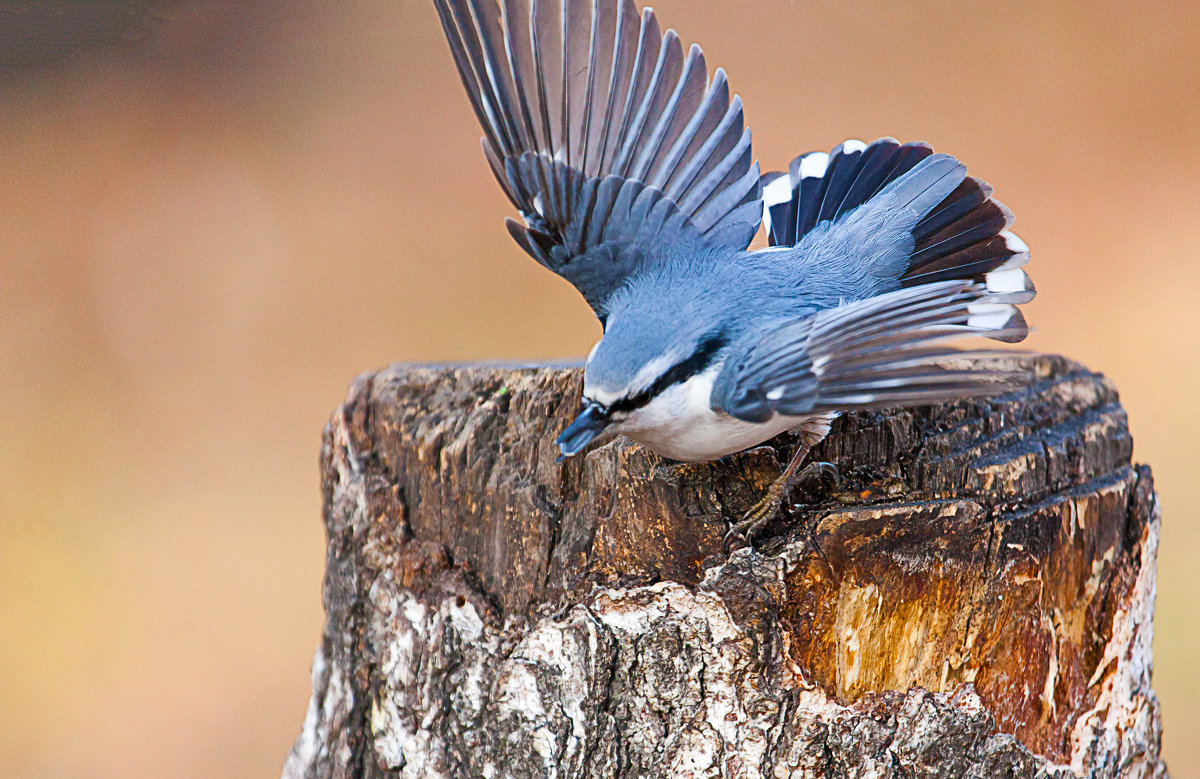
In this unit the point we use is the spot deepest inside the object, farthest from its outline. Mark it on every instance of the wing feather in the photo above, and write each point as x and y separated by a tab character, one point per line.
572	93
884	351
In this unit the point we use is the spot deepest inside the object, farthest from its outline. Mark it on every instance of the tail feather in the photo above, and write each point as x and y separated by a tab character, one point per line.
844	165
824	186
876	165
961	232
986	221
809	184
905	158
971	194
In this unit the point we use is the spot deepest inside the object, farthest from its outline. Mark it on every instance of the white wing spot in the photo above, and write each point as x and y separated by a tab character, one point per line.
778	191
1015	244
1011	285
989	316
775	394
852	146
1015	280
1015	261
814	165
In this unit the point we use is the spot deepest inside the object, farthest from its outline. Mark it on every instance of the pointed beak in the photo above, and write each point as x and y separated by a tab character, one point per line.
590	423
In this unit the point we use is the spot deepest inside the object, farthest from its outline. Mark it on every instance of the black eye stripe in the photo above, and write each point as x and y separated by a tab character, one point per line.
676	374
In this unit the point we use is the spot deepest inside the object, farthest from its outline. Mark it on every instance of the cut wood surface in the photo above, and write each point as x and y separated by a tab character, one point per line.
974	599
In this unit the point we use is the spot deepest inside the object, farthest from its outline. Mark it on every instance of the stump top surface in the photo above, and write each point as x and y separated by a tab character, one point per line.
470	451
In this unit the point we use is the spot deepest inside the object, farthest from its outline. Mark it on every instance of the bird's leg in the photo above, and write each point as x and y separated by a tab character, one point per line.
768	507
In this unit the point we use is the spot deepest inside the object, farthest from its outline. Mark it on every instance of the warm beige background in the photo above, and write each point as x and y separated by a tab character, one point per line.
203	240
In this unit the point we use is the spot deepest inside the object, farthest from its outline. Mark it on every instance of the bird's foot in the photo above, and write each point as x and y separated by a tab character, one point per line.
742	533
754	520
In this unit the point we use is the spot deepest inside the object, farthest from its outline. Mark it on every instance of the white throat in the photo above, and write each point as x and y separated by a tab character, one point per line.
680	423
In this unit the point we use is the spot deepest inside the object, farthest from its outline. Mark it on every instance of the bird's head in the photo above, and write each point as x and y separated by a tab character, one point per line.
634	374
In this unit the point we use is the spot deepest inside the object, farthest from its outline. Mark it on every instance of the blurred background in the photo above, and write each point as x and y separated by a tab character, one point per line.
213	221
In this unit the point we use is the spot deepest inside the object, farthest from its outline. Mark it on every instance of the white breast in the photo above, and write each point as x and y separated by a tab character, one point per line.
680	424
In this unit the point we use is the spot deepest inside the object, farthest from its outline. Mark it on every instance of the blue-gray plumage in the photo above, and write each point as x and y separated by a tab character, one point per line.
635	179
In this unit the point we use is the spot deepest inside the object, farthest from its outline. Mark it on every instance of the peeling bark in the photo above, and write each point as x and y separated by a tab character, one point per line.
975	600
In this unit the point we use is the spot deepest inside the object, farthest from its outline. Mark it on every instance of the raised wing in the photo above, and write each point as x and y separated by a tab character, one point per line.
609	140
888	350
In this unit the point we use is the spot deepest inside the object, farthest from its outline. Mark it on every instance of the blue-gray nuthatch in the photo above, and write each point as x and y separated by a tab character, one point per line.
635	181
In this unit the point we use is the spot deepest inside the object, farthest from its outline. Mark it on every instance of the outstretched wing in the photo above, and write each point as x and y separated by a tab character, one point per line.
888	350
609	140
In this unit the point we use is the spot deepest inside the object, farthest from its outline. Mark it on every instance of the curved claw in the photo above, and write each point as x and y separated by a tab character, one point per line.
734	540
820	472
757	517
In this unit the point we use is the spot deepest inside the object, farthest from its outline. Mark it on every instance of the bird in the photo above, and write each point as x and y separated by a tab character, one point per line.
632	171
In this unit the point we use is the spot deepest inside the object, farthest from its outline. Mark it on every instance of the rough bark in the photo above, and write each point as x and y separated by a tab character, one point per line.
976	599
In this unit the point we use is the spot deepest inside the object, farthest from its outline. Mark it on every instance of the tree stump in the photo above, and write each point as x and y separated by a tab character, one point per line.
975	599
